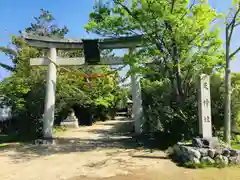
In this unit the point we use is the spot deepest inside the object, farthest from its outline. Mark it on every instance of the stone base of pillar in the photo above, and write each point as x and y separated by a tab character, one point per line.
138	128
45	141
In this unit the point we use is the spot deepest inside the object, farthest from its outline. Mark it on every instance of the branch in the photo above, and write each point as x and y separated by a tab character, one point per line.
234	17
172	6
196	35
231	27
130	13
186	76
191	6
232	24
237	24
125	8
193	3
234	53
8	51
162	43
7	67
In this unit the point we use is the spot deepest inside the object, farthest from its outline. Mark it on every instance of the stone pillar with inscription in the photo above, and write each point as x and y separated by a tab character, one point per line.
204	107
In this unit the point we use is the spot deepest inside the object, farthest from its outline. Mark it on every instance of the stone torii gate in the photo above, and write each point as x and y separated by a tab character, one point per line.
89	46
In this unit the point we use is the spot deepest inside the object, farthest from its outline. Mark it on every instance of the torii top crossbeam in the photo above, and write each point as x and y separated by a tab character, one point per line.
91	49
107	43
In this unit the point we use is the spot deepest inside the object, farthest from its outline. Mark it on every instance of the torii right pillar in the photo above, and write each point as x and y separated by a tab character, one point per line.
137	103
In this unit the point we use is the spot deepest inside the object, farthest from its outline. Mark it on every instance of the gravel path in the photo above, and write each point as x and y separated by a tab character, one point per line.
98	152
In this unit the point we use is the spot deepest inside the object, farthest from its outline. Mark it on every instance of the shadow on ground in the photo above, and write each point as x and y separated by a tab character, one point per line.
119	135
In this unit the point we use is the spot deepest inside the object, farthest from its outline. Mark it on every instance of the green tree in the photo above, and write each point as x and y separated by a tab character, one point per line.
45	26
232	21
9	52
179	34
24	90
181	37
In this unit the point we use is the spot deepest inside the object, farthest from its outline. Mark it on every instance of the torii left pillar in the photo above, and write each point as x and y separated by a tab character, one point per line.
137	104
49	109
137	100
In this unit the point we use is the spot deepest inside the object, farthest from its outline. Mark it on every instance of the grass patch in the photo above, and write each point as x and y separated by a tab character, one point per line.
11	140
59	129
235	143
8	140
236	146
205	165
4	145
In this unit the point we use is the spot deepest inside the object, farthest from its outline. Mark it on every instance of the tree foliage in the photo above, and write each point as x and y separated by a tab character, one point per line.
24	90
45	25
181	36
232	21
176	32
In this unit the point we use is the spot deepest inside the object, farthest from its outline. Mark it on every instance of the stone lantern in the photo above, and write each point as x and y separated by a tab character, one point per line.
71	121
129	108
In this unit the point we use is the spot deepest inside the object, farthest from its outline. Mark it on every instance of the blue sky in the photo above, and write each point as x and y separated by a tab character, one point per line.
15	15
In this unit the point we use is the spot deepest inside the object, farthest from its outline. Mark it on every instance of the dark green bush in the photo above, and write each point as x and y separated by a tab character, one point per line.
26	98
163	119
169	122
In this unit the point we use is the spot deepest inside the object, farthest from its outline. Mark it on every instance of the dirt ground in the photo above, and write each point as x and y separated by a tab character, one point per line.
103	151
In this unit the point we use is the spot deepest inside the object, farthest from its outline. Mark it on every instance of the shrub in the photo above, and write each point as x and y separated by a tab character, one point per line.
168	123
162	120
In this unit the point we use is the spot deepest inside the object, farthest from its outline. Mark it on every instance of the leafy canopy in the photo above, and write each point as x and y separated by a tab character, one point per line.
24	90
179	34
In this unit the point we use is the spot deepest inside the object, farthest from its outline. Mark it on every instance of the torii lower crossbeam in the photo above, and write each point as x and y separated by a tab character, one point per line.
53	44
48	118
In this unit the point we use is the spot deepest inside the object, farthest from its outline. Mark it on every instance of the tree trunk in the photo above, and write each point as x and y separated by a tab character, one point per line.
177	72
227	113
177	67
